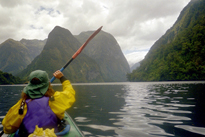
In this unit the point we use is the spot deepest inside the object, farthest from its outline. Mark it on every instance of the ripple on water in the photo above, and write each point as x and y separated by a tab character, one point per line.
198	130
144	109
81	119
133	109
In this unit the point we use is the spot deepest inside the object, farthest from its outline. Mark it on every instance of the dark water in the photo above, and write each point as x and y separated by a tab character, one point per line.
132	109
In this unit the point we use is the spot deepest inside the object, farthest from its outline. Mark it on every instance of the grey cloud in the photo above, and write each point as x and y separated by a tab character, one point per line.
136	24
10	3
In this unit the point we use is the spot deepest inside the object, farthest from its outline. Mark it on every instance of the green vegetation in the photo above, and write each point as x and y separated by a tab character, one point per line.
101	61
106	52
34	46
60	47
15	55
6	78
180	53
104	63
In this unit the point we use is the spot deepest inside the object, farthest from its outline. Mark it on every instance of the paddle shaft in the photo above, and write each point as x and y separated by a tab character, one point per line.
74	56
2	132
53	78
78	51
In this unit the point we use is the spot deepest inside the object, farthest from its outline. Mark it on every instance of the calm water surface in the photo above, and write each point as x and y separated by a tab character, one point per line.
147	109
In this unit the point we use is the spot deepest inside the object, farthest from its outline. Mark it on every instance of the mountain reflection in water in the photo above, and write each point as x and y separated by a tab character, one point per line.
144	109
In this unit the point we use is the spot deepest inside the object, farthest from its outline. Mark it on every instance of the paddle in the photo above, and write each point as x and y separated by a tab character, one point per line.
74	56
79	51
2	132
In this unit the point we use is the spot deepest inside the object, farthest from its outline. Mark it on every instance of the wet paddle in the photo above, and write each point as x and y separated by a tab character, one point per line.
73	57
79	51
2	132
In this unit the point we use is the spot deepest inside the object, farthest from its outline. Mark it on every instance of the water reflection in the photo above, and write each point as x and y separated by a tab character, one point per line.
161	110
92	107
132	109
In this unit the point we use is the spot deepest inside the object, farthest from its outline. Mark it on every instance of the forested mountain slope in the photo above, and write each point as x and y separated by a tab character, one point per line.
59	48
107	53
7	78
101	61
180	53
34	46
16	55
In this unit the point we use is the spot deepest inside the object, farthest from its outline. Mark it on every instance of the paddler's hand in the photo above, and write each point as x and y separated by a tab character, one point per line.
58	74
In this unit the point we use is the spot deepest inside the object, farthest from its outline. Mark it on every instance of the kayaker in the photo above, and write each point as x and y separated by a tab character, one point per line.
39	104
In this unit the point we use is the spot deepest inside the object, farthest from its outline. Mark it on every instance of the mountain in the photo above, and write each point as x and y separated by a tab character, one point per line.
15	55
105	50
59	48
87	66
34	46
135	66
180	53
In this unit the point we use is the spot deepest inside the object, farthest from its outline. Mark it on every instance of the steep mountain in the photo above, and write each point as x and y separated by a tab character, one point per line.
180	53
59	48
34	46
105	50
135	66
101	61
14	56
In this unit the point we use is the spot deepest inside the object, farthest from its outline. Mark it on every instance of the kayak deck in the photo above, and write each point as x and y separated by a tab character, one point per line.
74	130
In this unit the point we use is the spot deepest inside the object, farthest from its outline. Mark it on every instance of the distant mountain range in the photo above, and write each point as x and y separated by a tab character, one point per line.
34	46
135	66
16	55
180	53
101	61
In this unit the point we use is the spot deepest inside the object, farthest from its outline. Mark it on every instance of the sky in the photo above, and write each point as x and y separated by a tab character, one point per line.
135	24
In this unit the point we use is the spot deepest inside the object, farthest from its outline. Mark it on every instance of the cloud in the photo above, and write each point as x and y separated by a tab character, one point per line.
135	57
136	24
10	3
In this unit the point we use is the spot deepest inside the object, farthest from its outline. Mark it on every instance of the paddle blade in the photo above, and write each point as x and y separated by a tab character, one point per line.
88	40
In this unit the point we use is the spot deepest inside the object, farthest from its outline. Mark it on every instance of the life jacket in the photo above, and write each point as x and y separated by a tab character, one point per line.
38	113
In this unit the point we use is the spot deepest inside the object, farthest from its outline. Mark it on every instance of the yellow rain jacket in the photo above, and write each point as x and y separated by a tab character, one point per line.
62	101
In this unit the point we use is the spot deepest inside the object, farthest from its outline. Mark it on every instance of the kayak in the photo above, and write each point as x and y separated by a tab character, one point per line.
74	131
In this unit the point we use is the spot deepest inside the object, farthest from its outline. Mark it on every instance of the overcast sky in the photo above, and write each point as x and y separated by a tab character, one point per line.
136	24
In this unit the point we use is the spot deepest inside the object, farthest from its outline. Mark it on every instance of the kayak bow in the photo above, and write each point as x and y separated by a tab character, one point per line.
74	130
